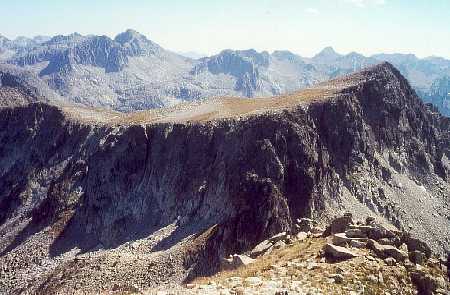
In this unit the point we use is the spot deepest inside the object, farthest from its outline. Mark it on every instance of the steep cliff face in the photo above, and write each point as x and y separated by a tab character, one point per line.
91	199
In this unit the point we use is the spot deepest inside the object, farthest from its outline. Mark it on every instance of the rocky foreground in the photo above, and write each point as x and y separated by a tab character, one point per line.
345	258
94	201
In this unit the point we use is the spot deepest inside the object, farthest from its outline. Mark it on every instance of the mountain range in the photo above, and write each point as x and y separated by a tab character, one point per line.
99	201
131	72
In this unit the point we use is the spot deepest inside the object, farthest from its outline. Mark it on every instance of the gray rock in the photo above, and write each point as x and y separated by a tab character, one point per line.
339	225
301	236
338	253
341	239
357	243
356	233
390	261
261	248
305	225
236	261
278	237
384	251
416	244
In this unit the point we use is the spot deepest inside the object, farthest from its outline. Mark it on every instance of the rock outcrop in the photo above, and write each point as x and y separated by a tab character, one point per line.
315	265
91	199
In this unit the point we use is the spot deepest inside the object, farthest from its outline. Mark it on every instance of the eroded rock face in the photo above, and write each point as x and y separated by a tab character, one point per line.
231	183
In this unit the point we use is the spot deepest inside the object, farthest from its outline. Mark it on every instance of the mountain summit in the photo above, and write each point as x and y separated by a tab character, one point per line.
136	43
327	55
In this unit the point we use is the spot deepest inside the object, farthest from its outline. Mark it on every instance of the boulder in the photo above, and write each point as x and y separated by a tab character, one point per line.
338	253
236	261
416	244
358	243
339	225
378	231
304	225
317	231
301	236
384	251
341	239
390	261
356	233
279	237
386	241
261	248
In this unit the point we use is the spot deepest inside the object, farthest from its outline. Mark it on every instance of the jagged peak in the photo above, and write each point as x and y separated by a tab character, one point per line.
248	55
136	43
128	36
60	39
131	35
382	67
329	51
354	54
327	54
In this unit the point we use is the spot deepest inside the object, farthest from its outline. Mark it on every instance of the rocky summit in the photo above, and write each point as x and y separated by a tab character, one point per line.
96	201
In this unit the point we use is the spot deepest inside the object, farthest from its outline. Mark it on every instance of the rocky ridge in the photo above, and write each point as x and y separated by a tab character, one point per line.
347	258
93	201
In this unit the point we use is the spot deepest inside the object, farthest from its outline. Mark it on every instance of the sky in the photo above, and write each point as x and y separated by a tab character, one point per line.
305	27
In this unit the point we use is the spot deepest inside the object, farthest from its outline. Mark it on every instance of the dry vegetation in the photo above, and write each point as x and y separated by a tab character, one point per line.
201	111
303	261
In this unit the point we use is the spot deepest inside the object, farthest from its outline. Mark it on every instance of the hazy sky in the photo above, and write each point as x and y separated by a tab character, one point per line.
208	26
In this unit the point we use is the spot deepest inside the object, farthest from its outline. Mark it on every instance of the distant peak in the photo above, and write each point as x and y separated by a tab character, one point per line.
327	53
328	49
286	55
129	35
282	53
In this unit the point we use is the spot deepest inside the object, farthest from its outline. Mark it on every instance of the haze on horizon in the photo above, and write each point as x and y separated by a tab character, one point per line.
209	26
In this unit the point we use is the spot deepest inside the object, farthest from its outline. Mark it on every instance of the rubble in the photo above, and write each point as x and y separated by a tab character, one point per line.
354	263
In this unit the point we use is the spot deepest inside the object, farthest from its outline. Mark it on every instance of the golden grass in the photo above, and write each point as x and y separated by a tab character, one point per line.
303	250
201	111
357	271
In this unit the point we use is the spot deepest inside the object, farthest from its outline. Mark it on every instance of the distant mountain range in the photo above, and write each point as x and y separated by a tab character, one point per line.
130	72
